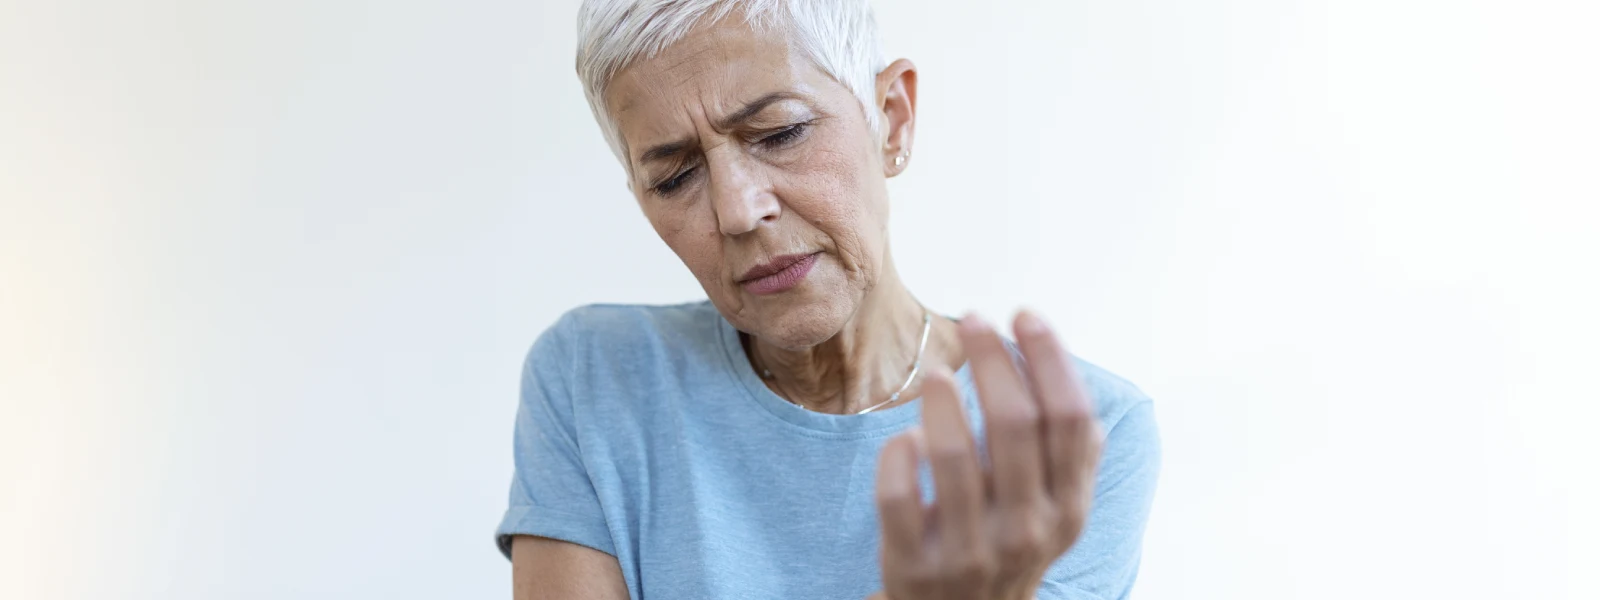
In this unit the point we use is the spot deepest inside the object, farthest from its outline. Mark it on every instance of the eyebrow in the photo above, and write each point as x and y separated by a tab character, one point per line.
750	109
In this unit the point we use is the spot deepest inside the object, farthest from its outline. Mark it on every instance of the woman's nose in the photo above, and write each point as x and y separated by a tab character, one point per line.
740	195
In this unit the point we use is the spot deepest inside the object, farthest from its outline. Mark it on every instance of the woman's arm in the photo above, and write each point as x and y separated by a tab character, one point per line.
546	569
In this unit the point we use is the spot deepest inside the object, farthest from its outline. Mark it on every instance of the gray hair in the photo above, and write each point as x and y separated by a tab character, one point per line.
839	36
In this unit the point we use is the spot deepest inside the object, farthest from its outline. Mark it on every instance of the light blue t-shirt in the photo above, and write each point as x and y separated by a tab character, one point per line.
644	433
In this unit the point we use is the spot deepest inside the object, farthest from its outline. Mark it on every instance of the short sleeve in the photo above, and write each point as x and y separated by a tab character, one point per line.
1103	563
552	495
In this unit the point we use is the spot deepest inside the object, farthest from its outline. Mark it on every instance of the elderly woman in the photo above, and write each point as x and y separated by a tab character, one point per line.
811	430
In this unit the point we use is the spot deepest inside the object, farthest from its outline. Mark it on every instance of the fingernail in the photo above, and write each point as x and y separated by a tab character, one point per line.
973	323
1029	322
918	441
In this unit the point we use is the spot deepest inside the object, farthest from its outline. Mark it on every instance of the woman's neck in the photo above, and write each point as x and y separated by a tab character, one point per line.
867	361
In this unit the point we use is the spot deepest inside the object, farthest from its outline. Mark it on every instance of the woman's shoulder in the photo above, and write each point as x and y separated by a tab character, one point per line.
604	321
624	331
1114	396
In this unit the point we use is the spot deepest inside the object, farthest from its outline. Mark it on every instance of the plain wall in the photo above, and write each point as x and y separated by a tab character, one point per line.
268	271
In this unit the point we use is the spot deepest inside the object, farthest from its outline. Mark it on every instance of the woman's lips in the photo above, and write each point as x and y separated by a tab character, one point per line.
783	280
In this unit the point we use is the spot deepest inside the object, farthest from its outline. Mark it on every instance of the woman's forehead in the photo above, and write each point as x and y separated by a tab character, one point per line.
710	73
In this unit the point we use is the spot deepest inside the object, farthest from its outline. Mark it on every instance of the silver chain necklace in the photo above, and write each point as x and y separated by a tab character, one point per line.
916	365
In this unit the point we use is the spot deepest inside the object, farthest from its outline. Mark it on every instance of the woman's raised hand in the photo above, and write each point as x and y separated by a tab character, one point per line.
992	532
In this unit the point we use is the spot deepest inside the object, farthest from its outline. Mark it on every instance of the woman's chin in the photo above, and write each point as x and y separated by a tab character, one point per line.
799	321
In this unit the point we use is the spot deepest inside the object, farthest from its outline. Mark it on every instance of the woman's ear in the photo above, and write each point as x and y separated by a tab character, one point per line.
897	106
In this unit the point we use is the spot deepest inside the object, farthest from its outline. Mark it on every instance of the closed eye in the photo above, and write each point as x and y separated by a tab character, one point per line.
666	188
784	137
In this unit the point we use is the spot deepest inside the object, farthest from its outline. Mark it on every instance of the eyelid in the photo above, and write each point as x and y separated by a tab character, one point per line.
779	131
680	174
796	129
677	169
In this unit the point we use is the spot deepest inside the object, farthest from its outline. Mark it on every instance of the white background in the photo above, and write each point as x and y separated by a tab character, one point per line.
268	271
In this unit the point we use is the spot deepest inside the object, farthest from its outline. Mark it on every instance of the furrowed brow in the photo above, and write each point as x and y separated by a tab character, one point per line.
665	151
745	113
754	107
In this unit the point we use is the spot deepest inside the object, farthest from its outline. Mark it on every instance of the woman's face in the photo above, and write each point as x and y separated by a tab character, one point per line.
742	154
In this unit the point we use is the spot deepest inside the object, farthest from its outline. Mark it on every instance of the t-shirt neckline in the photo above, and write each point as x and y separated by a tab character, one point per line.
879	423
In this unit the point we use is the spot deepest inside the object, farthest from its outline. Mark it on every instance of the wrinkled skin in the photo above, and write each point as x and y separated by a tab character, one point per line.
739	150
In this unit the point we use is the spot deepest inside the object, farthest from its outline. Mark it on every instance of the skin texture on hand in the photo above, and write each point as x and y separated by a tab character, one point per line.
990	534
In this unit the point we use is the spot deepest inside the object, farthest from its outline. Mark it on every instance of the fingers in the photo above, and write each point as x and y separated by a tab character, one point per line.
1043	447
1072	437
1011	416
899	497
957	477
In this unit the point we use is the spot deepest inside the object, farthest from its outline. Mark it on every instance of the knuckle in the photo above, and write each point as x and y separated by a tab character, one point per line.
1069	529
1097	436
975	566
1071	518
1069	417
922	576
896	497
948	453
988	566
1023	543
1015	418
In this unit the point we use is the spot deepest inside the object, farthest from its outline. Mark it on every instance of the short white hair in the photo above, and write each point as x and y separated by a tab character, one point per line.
839	36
